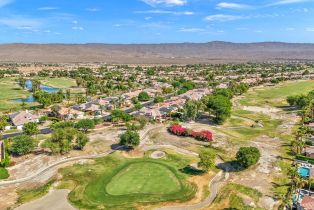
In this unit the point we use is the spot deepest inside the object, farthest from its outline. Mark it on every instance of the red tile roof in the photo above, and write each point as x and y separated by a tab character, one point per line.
308	203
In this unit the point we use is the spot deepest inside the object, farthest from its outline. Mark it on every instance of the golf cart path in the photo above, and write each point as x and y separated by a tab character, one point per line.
54	200
213	186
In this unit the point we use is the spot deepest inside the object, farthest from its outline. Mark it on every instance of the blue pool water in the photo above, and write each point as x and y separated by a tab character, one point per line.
304	172
31	99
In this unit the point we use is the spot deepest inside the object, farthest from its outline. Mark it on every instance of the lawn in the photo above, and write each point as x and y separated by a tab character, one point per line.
10	91
62	82
144	177
276	96
115	182
4	174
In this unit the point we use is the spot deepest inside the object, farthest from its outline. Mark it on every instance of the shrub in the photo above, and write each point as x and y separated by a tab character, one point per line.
203	135
21	145
248	156
177	130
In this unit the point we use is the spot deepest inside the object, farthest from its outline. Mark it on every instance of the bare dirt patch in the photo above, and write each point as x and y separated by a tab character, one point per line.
158	154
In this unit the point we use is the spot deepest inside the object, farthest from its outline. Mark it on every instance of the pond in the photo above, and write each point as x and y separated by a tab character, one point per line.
31	99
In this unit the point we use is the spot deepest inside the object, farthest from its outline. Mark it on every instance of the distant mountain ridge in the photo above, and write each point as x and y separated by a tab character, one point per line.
176	53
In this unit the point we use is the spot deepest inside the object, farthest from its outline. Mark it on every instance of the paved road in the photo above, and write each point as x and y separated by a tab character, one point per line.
54	200
58	163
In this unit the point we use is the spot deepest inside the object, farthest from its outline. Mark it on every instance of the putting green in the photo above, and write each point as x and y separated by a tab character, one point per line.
115	182
144	178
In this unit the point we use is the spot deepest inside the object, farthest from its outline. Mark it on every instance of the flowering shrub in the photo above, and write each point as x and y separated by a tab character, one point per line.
178	130
203	135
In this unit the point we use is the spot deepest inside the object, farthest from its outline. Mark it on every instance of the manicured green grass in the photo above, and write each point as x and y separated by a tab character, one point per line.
27	195
4	174
144	177
276	96
10	91
61	82
115	182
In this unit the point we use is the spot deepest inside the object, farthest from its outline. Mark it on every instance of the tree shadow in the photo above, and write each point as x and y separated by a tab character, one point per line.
119	147
231	166
191	171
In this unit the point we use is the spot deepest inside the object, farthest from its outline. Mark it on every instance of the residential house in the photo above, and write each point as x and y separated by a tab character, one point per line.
18	119
69	113
307	203
89	107
309	151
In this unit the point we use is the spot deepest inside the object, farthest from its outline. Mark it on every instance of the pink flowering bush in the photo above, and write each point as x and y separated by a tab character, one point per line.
178	130
203	135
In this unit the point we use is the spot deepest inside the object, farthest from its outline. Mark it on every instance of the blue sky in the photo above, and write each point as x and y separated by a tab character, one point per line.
155	21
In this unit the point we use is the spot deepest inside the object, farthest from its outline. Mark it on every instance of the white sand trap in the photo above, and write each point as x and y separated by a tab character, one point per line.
54	200
158	154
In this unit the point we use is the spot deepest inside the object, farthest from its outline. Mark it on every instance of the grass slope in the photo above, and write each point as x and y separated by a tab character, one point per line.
276	96
4	174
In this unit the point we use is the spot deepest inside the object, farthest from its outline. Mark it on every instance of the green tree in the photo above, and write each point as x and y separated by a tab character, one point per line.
35	85
30	128
61	140
3	121
85	125
21	145
81	141
207	160
130	139
22	82
191	110
119	115
248	156
220	106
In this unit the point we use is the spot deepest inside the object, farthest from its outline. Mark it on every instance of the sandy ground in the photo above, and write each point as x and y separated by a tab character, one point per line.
54	200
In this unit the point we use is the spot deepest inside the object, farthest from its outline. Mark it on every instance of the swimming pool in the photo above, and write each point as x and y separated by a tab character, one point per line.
304	172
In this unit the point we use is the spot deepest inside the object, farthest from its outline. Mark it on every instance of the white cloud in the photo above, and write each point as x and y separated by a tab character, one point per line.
222	18
229	5
193	30
165	2
165	12
80	28
5	2
285	2
47	8
75	22
147	18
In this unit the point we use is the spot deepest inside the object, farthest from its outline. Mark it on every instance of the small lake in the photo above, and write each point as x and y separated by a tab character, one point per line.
31	99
